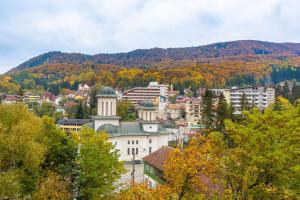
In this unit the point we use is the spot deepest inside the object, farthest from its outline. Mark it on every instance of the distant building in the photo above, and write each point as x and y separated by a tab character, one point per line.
48	97
72	125
193	111
175	111
9	99
259	96
138	94
84	90
31	98
134	140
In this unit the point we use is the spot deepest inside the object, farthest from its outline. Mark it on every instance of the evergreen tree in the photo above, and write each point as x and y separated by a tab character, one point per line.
285	90
208	112
244	102
222	112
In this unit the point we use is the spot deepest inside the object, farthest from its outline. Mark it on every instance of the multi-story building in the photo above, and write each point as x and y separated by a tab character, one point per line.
72	125
138	94
193	111
134	140
258	96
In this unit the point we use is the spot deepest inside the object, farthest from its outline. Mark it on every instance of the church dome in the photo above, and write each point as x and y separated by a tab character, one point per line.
147	104
107	92
108	128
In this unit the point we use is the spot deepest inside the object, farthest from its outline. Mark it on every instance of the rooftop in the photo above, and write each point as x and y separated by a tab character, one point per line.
107	92
158	158
129	129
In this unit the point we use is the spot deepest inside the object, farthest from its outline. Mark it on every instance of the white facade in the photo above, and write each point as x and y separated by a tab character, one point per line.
141	146
133	140
259	96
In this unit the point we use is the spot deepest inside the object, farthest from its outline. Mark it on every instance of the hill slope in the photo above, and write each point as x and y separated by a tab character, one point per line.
147	57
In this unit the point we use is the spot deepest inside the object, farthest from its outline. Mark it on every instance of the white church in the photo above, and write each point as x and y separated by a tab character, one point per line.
134	140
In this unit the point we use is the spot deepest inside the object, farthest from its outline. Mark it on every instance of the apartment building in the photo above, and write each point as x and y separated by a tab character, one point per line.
154	92
193	111
259	96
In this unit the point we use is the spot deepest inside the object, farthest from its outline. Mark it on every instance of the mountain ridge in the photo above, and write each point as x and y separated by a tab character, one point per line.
146	57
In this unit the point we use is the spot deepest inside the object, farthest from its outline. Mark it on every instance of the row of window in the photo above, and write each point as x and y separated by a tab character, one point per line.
135	151
137	142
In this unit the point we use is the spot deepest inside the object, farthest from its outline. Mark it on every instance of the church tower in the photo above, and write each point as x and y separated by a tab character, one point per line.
106	108
147	116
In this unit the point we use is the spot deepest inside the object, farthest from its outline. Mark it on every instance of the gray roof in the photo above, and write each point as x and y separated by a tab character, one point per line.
129	129
74	121
107	92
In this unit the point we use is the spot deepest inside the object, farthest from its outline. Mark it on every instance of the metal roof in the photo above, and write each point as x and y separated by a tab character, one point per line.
129	129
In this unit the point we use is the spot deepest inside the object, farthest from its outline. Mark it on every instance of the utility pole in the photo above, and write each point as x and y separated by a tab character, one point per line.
133	166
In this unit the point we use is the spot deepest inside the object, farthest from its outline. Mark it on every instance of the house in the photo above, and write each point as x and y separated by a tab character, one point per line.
10	99
48	97
154	166
134	140
84	90
154	172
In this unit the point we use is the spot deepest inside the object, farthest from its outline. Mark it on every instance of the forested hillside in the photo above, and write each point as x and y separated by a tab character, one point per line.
216	65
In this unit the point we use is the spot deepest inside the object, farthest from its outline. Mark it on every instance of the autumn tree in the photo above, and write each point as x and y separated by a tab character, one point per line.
21	153
185	169
52	187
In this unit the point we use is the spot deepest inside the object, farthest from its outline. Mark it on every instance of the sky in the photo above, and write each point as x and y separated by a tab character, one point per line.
32	27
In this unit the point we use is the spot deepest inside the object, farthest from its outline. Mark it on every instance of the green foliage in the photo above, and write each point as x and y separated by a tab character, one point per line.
245	105
79	111
46	108
93	99
223	111
263	162
126	110
61	153
98	165
208	112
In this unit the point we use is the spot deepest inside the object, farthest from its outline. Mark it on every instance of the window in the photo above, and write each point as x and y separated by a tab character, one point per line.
133	151
128	141
128	151
136	142
132	142
106	108
137	151
111	106
150	149
150	141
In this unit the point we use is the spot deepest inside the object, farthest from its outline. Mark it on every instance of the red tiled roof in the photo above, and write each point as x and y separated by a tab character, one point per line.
157	158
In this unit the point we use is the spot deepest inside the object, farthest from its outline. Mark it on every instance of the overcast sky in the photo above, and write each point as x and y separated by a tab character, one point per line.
32	27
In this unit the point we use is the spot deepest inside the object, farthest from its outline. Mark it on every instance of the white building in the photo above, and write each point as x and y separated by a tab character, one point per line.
132	139
259	96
